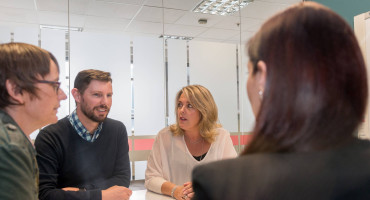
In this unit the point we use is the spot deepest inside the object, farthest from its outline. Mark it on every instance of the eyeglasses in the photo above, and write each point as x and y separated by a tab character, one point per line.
54	84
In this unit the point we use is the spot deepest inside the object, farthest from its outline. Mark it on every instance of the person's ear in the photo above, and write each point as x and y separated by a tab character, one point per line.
261	75
76	95
14	91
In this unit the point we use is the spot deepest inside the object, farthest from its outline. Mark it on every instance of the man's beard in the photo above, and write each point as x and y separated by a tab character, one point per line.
89	113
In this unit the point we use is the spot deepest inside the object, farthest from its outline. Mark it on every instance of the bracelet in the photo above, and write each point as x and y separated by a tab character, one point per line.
173	191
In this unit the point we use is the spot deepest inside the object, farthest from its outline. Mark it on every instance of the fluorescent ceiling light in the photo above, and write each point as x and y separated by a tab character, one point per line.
221	7
62	28
176	37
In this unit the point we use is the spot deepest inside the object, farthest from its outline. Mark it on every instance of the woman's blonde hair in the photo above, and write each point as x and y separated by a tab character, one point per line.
202	100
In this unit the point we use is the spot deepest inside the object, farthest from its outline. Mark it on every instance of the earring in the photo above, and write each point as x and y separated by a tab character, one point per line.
260	93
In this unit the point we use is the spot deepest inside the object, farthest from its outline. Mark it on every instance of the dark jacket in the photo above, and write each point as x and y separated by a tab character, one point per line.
341	173
19	174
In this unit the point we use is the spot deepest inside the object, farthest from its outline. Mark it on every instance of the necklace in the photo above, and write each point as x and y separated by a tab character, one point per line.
194	142
203	155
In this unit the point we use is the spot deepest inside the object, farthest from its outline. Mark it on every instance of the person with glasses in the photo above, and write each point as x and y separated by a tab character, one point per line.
85	155
29	99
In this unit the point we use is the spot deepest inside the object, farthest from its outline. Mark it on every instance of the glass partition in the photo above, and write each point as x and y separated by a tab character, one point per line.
123	37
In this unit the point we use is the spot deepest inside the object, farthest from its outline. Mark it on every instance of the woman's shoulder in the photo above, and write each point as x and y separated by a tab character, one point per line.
165	133
222	132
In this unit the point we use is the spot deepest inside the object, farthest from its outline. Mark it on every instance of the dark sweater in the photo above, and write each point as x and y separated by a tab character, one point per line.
341	173
67	160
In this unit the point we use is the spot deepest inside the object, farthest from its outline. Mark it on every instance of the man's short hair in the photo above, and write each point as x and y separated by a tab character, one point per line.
84	78
22	64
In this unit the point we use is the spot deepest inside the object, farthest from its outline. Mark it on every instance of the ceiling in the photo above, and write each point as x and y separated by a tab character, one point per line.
135	17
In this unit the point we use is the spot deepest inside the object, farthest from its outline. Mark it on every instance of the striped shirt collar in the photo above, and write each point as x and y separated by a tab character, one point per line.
81	130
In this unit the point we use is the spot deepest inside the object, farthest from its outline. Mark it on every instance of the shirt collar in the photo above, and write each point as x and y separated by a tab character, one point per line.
81	130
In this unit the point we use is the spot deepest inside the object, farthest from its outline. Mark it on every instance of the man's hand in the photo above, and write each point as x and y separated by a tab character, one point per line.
116	193
70	189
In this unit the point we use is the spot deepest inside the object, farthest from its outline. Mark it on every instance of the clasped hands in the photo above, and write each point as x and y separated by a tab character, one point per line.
184	192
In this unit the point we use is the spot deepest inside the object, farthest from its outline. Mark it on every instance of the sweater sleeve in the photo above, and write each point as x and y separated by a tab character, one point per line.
229	150
122	173
154	171
48	160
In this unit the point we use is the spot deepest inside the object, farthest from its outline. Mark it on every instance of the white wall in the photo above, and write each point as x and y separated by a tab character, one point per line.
213	65
247	119
149	85
53	41
109	53
177	73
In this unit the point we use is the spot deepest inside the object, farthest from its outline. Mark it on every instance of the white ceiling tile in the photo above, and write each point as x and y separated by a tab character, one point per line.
260	10
76	6
132	2
18	15
115	10
155	14
181	4
113	24
61	19
157	3
218	34
116	16
150	14
145	27
290	2
191	19
172	15
182	30
25	4
249	24
229	23
186	5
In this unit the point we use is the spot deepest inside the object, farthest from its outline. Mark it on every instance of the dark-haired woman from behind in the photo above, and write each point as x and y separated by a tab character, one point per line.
308	89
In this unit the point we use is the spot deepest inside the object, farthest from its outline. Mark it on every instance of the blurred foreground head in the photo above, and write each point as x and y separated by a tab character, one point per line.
307	81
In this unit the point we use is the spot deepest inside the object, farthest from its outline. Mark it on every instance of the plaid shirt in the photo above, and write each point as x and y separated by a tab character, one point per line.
81	130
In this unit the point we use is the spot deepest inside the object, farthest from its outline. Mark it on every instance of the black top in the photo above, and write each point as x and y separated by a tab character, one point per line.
342	173
67	160
199	158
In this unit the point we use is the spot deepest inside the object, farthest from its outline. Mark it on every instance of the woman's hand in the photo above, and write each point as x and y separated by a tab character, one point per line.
178	194
188	192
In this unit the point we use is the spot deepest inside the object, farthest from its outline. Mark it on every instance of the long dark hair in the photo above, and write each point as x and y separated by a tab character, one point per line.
316	86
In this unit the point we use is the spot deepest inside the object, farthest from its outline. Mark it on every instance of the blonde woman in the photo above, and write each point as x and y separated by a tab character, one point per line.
196	138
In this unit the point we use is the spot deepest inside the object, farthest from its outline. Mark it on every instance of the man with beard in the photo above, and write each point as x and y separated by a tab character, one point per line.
85	155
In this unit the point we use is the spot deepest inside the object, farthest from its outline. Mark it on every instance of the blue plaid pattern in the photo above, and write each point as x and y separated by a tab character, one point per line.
81	130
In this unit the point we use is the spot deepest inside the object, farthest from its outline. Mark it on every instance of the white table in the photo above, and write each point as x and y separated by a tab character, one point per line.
148	195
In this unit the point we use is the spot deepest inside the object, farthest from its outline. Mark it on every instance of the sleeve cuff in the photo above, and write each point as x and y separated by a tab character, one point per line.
155	184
